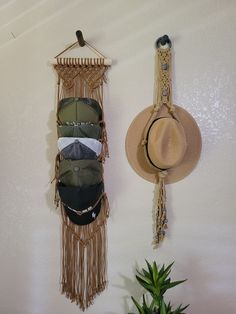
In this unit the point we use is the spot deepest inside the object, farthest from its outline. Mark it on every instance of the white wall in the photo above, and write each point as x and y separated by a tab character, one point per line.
201	237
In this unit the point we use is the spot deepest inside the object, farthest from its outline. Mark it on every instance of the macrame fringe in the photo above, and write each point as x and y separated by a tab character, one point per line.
84	258
160	218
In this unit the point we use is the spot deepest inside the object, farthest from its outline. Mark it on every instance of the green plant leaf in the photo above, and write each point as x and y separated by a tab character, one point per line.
152	304
180	309
144	302
139	307
155	273
164	276
172	284
166	282
148	287
162	270
165	273
145	278
185	307
163	308
150	269
156	301
168	308
146	274
147	309
142	281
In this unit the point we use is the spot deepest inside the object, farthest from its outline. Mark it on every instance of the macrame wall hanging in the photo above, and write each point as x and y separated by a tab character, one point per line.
163	143
79	187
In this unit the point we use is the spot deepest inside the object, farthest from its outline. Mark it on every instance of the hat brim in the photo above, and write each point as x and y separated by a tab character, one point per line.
82	198
135	151
83	130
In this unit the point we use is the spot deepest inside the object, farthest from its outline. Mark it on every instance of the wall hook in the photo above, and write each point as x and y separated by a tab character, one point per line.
80	38
161	41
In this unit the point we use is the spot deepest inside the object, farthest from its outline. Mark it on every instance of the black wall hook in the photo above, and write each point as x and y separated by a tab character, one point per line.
161	41
80	38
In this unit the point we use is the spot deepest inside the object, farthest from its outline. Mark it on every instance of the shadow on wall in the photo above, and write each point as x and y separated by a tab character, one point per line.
113	171
51	139
130	285
204	295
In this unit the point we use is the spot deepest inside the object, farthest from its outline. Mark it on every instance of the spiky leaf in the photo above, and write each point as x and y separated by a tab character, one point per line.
139	307
147	286
146	274
155	273
150	269
180	309
147	309
165	273
163	308
144	278
172	284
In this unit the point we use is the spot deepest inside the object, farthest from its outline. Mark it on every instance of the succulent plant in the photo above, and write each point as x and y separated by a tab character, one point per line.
156	282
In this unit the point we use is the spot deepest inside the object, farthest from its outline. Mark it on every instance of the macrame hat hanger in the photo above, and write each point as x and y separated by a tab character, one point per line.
79	187
163	143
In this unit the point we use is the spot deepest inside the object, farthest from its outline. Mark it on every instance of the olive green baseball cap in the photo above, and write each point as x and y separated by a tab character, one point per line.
77	109
82	173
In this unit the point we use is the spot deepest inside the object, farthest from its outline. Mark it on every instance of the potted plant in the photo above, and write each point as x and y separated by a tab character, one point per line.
156	281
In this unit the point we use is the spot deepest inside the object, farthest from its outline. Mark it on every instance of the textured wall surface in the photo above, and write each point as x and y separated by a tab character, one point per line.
201	208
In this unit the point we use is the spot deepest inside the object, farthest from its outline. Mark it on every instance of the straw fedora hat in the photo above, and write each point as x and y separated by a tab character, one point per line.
172	144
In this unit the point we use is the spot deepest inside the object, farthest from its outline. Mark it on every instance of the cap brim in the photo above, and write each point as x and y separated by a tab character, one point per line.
81	198
84	219
135	151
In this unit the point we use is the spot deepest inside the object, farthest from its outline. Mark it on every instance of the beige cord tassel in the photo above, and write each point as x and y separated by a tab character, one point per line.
160	220
84	258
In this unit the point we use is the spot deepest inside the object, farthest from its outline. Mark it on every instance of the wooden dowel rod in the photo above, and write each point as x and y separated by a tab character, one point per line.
106	61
